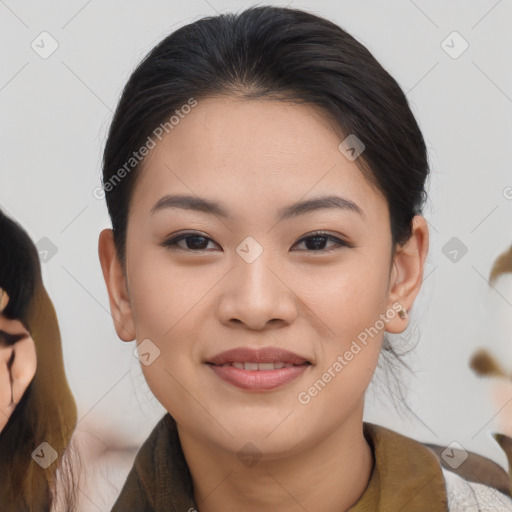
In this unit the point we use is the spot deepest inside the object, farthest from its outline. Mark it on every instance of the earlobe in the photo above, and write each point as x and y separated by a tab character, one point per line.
116	286
407	274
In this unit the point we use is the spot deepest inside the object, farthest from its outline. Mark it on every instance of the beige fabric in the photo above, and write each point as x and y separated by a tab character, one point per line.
465	496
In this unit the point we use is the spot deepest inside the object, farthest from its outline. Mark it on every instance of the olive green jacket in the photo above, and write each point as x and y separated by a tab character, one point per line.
408	476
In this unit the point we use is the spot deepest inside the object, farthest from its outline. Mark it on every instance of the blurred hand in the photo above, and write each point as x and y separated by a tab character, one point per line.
18	363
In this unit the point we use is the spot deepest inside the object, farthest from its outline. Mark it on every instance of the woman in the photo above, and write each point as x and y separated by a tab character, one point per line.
265	179
37	409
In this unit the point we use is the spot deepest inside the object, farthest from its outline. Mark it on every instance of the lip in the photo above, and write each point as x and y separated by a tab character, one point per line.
260	355
258	380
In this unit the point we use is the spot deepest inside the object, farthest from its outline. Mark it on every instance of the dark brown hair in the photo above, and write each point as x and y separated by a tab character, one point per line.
47	410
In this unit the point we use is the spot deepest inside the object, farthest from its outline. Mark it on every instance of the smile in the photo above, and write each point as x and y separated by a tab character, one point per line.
258	366
255	377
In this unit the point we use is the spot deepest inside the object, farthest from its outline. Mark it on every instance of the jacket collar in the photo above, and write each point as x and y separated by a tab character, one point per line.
405	464
160	479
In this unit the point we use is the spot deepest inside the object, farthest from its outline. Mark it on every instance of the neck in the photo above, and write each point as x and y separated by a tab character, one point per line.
329	476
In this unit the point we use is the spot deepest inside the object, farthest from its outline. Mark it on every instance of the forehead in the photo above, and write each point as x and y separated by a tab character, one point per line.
246	152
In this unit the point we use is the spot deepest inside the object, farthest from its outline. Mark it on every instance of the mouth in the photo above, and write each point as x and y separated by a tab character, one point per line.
246	358
258	369
254	366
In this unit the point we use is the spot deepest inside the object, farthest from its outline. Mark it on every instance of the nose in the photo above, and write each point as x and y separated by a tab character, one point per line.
256	296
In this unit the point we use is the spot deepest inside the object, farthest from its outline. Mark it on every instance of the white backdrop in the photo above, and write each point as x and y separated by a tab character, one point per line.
63	66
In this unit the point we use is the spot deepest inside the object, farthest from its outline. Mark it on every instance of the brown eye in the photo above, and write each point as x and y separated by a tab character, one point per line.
193	242
317	241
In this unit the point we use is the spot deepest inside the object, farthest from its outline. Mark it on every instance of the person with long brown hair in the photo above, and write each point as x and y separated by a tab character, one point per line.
37	409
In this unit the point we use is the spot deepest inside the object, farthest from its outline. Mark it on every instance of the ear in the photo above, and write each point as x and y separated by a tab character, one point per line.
116	285
407	273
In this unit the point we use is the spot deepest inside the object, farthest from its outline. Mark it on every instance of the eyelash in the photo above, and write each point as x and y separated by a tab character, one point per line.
172	243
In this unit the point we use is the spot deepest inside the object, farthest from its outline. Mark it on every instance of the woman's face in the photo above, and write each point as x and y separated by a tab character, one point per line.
256	276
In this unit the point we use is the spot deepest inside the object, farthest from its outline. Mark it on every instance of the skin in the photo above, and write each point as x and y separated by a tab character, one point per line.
18	363
256	157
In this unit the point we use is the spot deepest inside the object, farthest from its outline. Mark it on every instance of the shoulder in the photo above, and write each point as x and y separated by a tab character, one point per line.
466	496
159	476
476	484
140	488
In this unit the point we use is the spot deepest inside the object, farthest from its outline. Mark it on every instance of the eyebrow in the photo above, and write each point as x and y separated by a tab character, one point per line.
194	203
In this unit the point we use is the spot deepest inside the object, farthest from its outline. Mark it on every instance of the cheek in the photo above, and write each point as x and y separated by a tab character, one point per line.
351	297
164	385
160	294
165	301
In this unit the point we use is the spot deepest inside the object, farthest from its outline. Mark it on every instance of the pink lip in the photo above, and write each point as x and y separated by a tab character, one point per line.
258	380
261	355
